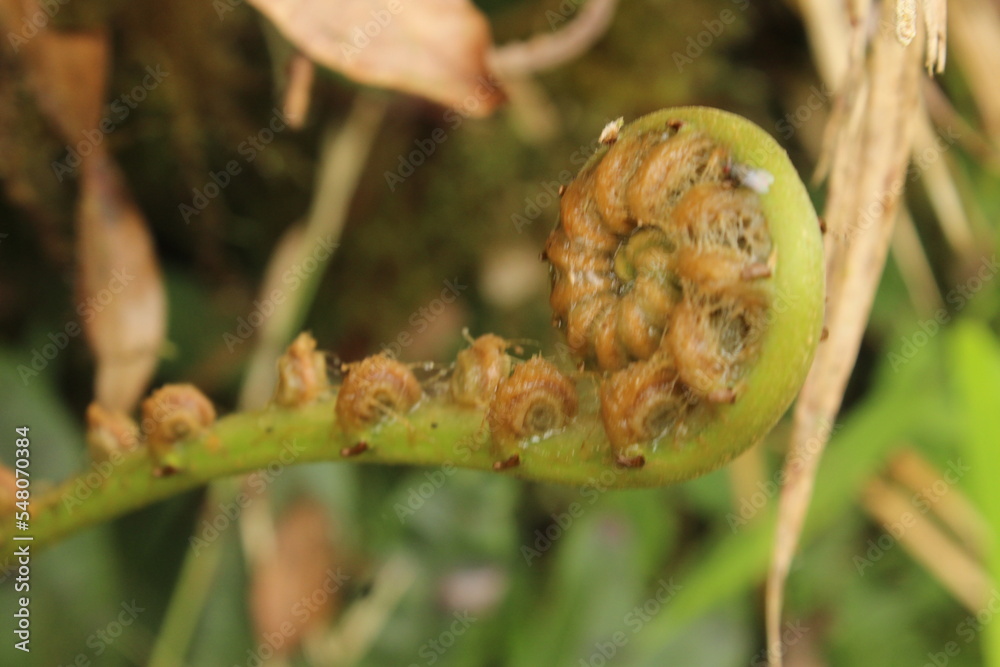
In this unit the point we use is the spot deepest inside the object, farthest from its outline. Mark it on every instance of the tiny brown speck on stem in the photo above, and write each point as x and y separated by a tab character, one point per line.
355	449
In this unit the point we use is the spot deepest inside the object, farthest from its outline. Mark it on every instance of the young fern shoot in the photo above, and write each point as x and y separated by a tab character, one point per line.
687	275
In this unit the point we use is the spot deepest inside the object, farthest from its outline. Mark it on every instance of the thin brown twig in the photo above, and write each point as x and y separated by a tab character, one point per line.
298	91
867	177
551	50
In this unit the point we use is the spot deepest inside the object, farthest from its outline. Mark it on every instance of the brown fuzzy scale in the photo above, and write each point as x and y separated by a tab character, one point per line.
375	388
536	399
641	403
714	338
713	216
110	433
479	369
669	171
611	180
660	266
301	373
172	413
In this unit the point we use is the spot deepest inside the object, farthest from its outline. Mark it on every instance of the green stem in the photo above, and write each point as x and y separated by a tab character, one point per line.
185	607
438	433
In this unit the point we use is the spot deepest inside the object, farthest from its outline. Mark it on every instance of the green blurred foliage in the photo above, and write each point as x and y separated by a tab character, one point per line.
570	566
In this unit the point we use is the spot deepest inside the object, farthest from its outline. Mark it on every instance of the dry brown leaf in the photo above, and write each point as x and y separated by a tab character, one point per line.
121	302
936	23
64	74
975	37
66	70
867	178
433	48
69	79
296	587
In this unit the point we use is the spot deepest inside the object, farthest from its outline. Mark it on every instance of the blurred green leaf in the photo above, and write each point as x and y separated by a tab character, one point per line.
975	356
899	405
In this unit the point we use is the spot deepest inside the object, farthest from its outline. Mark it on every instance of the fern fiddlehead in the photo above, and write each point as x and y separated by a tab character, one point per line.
687	275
